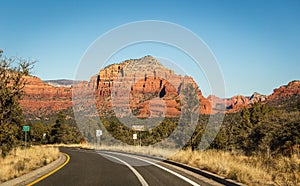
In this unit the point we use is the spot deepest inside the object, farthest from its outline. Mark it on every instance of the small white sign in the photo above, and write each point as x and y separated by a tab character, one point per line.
98	133
134	136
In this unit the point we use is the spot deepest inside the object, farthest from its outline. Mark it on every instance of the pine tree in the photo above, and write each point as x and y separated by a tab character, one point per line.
57	131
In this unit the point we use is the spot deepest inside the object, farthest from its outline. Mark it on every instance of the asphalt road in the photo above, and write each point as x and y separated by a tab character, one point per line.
87	167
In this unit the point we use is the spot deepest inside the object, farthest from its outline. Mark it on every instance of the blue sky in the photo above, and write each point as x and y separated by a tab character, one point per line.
256	43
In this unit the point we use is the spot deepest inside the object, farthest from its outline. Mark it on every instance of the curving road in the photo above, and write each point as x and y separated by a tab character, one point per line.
88	167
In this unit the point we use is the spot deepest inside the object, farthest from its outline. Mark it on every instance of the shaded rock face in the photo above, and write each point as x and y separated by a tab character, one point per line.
42	99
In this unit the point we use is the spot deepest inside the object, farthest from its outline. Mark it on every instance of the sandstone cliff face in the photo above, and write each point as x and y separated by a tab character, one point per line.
42	99
287	96
286	91
256	97
279	98
235	103
144	87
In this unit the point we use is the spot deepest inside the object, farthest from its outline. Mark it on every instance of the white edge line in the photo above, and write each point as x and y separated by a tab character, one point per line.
137	174
159	166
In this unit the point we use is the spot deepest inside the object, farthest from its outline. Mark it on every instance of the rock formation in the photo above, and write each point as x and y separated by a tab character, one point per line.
142	87
42	99
285	91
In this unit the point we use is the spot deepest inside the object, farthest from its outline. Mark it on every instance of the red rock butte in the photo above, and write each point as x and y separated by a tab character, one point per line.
143	87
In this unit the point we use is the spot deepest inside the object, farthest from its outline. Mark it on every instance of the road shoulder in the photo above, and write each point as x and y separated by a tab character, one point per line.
40	172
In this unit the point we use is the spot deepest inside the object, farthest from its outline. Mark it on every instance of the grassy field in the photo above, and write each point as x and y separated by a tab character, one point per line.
18	163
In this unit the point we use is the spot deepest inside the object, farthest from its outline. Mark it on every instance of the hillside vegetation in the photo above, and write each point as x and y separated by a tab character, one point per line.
257	130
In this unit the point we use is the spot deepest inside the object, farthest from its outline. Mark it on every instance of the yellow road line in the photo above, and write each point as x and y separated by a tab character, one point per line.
52	172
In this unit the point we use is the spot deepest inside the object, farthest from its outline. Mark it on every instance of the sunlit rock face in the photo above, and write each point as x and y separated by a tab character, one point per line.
140	87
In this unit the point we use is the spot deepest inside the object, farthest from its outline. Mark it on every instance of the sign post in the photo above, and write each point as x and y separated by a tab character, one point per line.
98	136
134	138
26	129
139	128
44	138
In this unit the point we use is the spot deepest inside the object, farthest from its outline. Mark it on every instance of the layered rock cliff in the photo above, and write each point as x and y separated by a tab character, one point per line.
285	91
287	96
142	87
42	99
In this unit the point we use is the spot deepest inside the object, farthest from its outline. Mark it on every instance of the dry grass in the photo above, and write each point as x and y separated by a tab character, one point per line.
17	164
83	145
146	150
255	170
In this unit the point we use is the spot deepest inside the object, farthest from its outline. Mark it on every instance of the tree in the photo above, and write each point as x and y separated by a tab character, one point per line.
37	131
190	106
58	129
12	85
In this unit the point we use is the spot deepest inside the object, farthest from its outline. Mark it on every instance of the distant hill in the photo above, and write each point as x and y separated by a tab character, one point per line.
286	97
61	82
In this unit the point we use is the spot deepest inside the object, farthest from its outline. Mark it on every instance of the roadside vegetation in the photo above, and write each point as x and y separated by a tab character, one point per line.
11	90
21	161
15	158
251	170
59	128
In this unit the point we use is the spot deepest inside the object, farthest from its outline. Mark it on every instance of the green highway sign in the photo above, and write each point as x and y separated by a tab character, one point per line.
26	128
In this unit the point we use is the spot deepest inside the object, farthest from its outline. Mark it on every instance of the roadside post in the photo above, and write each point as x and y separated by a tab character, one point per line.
140	139
139	128
26	129
98	136
44	138
134	138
